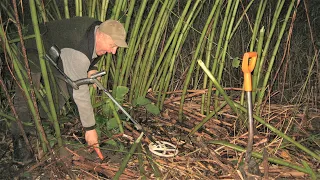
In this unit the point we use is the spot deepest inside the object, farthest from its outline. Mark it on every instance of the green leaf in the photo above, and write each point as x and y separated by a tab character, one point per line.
107	110
308	168
98	129
112	142
112	123
98	104
141	101
26	175
121	92
152	109
236	62
52	142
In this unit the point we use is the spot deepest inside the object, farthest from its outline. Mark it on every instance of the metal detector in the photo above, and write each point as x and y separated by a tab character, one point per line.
159	148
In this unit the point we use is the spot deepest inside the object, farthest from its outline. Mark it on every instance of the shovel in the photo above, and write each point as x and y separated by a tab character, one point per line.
247	68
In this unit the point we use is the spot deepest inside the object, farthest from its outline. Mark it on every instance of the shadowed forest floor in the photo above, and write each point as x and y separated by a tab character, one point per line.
198	158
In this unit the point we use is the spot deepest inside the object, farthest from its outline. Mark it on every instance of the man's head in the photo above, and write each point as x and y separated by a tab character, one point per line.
109	36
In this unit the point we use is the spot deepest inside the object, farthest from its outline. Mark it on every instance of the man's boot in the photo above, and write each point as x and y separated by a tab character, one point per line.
21	154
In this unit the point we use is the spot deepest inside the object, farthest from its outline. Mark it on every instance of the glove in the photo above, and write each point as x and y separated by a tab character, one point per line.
91	137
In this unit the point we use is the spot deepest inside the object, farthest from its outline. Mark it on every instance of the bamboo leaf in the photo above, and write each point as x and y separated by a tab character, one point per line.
141	101
121	92
153	109
112	123
236	62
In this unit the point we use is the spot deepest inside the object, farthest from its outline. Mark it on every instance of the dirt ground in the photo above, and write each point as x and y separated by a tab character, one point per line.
197	157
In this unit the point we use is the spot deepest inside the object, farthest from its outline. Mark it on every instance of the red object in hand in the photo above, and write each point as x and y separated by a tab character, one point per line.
99	152
91	137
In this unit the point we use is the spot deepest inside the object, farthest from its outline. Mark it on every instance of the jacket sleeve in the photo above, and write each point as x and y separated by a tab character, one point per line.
76	65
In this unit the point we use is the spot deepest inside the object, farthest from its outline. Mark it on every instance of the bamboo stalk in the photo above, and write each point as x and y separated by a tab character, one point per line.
115	114
44	71
42	10
93	8
36	91
256	72
226	44
80	8
220	89
24	89
56	9
14	112
98	11
153	44
89	7
133	44
216	10
115	15
275	50
260	156
266	46
141	163
188	22
208	117
126	26
8	9
191	68
170	43
77	7
260	12
104	8
116	9
66	9
218	49
279	133
127	158
7	116
144	37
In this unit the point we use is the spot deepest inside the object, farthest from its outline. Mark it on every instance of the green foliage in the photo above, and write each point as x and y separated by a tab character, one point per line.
144	102
26	175
107	127
121	91
236	62
106	121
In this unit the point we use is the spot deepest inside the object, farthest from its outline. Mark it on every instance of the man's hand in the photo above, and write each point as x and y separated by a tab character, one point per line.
91	137
90	73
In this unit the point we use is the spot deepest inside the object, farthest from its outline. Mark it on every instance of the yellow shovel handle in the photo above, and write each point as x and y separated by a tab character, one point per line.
247	68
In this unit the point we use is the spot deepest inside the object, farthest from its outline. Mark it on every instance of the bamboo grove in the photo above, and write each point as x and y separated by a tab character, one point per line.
166	39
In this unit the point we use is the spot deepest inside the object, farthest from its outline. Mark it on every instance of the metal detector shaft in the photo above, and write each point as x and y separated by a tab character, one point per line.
53	57
136	124
53	62
93	80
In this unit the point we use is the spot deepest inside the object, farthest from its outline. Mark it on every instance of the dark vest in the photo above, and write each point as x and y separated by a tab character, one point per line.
75	33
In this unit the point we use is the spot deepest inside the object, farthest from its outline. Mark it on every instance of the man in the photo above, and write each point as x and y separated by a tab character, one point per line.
81	41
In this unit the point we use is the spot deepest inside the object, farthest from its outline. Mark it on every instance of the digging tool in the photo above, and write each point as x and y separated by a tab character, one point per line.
160	148
247	68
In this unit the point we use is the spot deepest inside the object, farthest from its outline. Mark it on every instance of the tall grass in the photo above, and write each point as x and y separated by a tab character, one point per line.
165	40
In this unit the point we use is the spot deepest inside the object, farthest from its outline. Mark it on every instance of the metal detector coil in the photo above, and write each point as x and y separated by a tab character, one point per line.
163	149
159	148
